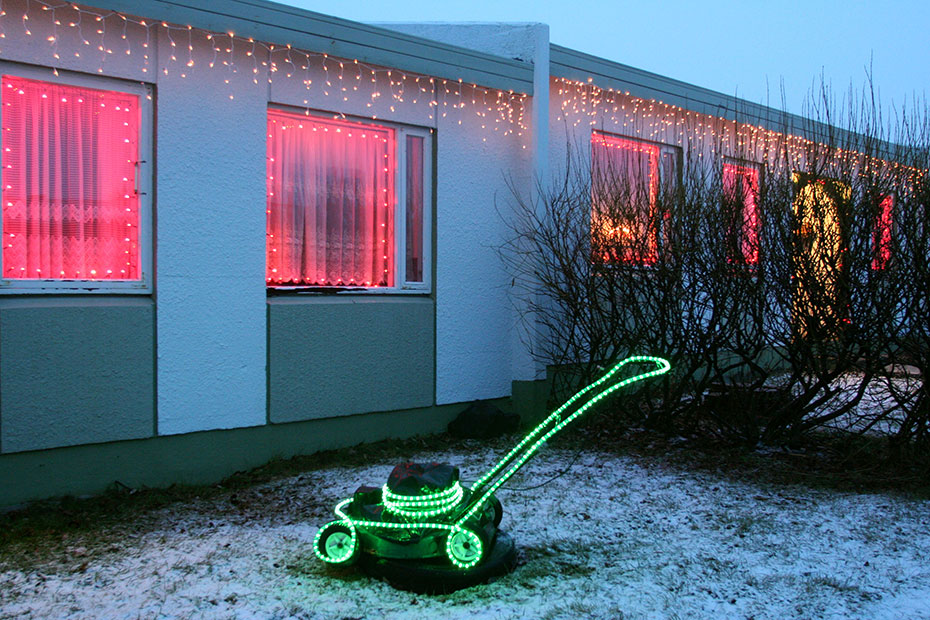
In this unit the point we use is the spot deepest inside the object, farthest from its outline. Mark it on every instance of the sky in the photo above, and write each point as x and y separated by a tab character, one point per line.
752	49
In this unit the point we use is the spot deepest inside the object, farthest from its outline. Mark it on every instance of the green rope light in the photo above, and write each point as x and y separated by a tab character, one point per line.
464	548
422	506
337	541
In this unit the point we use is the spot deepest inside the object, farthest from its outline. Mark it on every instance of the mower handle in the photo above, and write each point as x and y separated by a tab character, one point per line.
530	445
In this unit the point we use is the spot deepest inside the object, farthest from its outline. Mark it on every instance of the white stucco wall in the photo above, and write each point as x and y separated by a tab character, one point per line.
210	245
528	42
474	321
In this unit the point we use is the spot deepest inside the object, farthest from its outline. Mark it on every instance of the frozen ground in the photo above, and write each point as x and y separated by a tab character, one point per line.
870	416
615	537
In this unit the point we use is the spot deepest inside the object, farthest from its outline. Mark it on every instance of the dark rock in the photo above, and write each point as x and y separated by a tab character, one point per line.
482	420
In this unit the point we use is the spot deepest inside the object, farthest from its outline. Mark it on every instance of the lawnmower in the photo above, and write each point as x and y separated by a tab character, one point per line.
424	530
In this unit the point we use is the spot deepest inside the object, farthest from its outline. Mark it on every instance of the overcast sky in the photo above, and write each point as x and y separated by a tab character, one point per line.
749	49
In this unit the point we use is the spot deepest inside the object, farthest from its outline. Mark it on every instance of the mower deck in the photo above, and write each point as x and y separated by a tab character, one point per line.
437	575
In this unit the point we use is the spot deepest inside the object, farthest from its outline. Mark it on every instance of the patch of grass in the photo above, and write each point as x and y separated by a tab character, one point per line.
816	584
46	529
716	565
741	523
541	562
575	609
50	529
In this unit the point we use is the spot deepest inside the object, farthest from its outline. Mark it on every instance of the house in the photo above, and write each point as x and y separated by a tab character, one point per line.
236	230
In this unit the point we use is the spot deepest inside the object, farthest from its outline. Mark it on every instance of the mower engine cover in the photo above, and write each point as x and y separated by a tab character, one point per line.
413	479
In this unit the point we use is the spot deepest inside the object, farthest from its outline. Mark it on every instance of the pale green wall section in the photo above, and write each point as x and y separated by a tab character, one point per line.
199	458
75	371
338	356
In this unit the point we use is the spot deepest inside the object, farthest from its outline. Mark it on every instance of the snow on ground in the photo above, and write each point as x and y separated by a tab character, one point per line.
871	415
615	537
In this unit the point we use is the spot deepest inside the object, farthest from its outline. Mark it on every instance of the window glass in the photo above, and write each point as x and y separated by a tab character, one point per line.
630	179
741	199
331	202
881	235
414	222
69	159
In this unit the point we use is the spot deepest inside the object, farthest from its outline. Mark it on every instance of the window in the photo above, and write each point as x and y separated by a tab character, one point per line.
75	206
741	199
820	304
348	204
632	182
881	234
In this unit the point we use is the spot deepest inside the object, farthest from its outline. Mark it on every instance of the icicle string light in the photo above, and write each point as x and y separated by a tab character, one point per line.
586	104
497	110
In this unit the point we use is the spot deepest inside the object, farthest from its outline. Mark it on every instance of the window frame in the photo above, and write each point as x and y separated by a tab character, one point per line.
143	186
401	132
662	238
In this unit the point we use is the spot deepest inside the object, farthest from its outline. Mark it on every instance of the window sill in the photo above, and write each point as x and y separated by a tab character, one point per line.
329	291
73	288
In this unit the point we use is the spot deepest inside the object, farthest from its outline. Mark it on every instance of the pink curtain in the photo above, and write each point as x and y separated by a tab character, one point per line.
330	215
70	210
625	183
741	188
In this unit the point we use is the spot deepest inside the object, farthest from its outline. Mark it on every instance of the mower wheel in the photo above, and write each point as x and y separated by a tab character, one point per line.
337	543
465	547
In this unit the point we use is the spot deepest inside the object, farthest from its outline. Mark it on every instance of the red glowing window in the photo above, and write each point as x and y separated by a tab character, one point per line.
331	202
69	159
741	201
629	178
881	234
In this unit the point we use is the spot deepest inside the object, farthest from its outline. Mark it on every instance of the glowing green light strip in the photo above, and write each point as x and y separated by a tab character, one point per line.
519	459
463	546
352	524
429	498
422	506
663	367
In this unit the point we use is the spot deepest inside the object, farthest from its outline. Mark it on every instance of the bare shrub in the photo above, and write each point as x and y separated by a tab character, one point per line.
772	270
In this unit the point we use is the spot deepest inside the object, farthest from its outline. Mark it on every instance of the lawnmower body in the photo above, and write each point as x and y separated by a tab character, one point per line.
422	512
425	515
388	535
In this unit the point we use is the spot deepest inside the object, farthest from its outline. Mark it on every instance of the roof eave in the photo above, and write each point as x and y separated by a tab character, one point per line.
306	30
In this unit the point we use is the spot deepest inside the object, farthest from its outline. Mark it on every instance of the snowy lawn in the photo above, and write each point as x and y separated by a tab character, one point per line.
618	536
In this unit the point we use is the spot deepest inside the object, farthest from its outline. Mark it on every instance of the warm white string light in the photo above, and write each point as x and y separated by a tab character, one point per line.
656	121
340	76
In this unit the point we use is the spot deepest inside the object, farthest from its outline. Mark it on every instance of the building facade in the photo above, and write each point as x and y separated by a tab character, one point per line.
235	231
